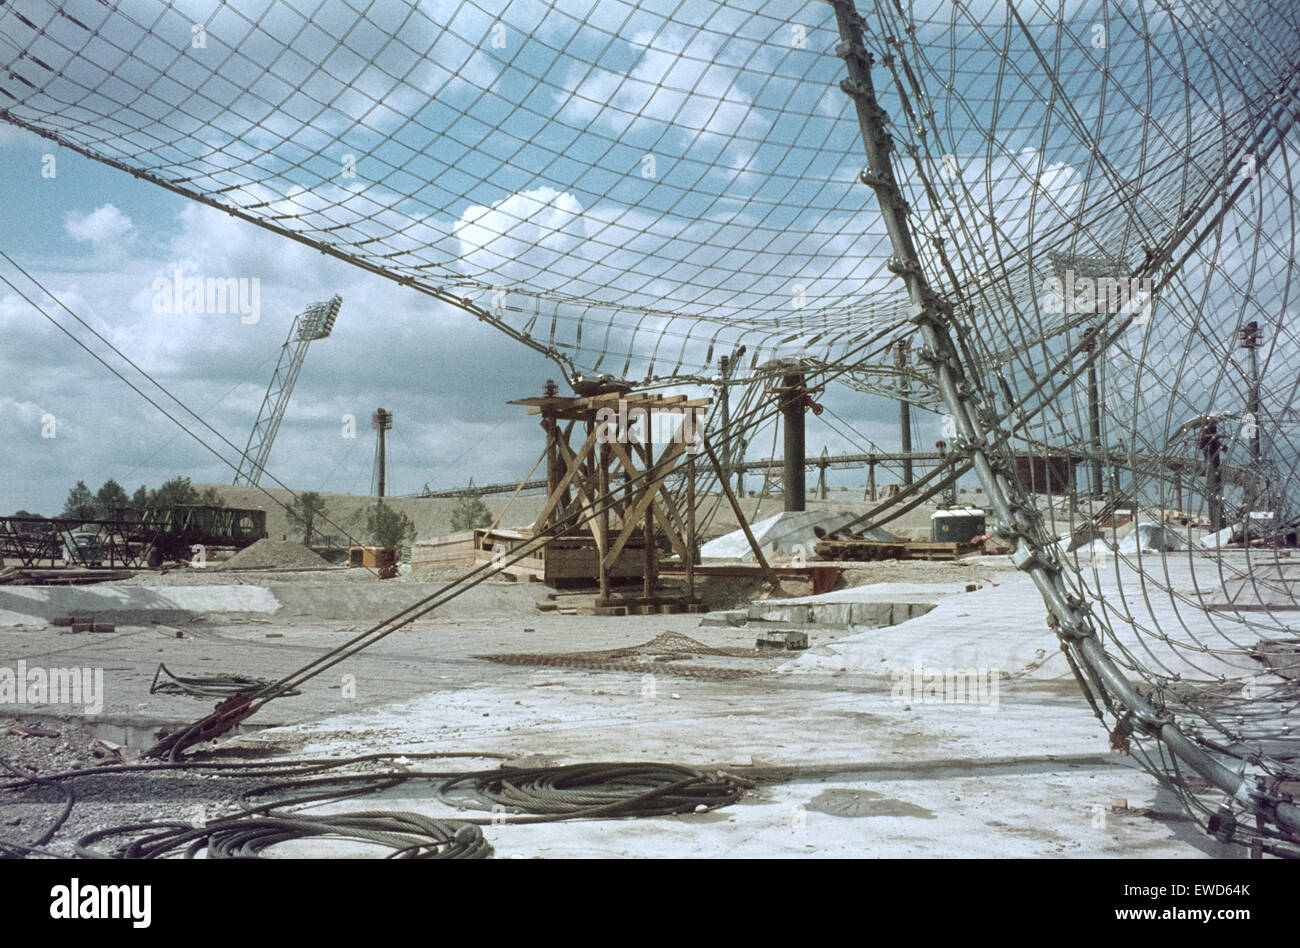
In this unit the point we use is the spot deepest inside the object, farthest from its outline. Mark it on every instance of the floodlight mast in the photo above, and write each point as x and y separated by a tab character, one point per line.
315	322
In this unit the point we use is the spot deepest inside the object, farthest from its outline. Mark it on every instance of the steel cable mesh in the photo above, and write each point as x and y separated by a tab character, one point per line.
1188	182
1033	141
665	263
667	653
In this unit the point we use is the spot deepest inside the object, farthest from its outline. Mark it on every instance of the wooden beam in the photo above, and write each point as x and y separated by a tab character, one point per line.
740	516
563	484
689	559
584	495
672	525
497	521
638	509
602	486
650	553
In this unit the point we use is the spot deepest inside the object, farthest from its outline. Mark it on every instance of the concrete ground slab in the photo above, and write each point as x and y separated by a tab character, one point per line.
844	765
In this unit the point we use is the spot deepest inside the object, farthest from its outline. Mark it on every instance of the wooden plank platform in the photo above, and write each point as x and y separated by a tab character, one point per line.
823	576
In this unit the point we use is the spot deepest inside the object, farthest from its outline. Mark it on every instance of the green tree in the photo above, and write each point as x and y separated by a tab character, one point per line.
24	513
176	492
109	498
80	504
211	497
140	499
388	527
306	509
470	513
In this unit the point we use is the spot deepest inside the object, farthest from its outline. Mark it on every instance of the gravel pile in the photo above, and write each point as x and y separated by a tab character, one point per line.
274	554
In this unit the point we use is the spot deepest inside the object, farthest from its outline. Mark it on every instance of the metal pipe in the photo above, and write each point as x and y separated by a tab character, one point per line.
904	411
792	408
1212	447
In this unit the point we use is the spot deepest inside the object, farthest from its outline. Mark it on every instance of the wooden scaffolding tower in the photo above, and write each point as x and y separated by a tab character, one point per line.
629	444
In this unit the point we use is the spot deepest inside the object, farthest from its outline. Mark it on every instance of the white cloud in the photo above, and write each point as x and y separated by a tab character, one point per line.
530	236
103	226
678	80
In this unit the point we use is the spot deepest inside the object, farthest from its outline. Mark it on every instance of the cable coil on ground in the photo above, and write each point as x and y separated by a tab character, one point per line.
582	790
274	812
408	835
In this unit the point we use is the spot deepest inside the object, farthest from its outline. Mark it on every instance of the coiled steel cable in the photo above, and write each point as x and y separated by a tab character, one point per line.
409	835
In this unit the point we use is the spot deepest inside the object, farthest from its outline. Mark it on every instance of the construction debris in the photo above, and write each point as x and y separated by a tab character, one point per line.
788	639
788	533
616	604
30	730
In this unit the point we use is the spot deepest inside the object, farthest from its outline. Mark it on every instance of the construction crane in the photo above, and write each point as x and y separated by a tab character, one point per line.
315	322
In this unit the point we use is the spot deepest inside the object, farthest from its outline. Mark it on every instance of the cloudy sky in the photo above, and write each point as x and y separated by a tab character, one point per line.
98	239
626	160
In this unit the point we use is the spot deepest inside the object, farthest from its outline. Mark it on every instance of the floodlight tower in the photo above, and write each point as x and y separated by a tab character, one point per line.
315	322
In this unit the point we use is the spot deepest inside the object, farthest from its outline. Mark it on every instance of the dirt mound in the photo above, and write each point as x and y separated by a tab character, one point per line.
274	554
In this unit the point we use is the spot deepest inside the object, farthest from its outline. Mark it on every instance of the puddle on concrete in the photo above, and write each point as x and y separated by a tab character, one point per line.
841	801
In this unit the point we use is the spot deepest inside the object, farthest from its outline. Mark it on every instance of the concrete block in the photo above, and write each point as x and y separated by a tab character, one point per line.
833	615
780	612
788	639
873	615
730	619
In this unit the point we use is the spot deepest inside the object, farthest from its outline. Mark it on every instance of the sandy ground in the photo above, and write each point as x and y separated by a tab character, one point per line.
842	766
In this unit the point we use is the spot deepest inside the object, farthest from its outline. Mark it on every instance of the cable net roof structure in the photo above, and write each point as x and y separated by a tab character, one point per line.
654	182
1102	194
